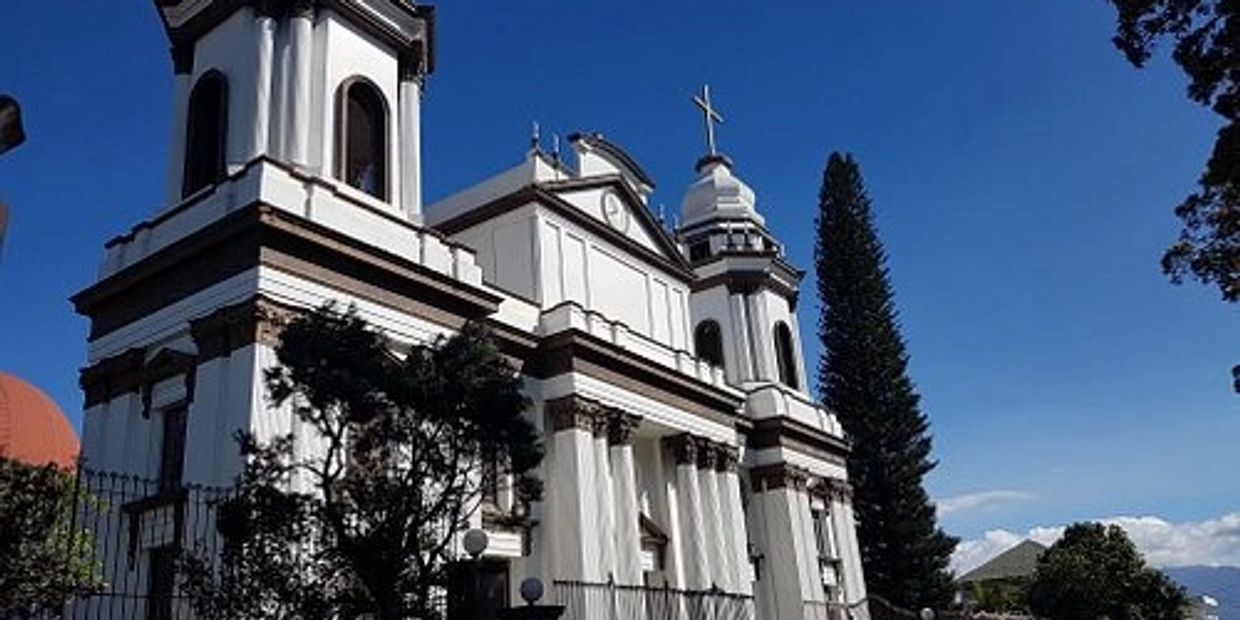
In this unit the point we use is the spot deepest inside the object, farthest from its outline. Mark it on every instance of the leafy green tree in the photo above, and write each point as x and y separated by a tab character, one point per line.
364	522
1095	571
1009	596
1206	34
44	560
864	380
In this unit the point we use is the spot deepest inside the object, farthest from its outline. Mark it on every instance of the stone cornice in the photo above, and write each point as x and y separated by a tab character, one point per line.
571	412
186	25
788	433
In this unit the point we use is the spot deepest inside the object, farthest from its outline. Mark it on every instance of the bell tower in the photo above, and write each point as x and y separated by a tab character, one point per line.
328	88
744	301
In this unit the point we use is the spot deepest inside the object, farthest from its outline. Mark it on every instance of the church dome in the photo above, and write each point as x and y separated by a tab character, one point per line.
718	194
32	428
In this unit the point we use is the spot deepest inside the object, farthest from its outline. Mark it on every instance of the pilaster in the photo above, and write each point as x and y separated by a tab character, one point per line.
602	487
572	512
264	49
735	530
842	520
712	514
301	55
410	156
777	509
624	475
689	504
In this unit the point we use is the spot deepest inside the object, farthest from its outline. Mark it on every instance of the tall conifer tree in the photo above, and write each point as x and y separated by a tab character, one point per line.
863	378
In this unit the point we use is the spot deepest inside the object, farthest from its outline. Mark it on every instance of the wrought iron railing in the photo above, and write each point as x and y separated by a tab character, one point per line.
825	610
127	532
611	601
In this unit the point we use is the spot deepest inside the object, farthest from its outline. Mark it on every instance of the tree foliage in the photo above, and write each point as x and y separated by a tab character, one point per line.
44	559
1095	571
1206	35
357	513
864	380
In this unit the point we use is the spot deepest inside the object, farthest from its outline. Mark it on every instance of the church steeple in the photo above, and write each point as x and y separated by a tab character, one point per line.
744	303
331	88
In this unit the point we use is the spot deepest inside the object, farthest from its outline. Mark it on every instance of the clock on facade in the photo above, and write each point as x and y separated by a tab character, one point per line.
615	212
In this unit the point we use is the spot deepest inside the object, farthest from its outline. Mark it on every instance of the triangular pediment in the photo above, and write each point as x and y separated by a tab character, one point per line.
612	204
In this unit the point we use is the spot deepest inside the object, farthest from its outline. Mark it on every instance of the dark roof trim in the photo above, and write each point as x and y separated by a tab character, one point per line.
597	141
790	433
671	260
577	351
420	53
260	234
648	220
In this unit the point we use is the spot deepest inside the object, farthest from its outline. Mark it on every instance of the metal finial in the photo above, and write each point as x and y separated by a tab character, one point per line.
711	116
535	137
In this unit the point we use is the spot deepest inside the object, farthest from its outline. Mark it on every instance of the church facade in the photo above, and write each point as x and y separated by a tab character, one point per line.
664	366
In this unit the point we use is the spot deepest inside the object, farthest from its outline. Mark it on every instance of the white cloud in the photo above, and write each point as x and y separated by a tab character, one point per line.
1211	542
979	501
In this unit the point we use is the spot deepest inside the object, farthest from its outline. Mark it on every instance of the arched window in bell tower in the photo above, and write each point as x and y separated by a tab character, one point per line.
362	138
785	356
206	133
708	342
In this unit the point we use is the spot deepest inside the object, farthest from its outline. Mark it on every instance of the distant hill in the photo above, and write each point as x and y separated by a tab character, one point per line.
1220	582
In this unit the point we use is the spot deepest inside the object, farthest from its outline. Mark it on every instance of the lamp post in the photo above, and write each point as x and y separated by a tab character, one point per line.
12	134
531	590
475	544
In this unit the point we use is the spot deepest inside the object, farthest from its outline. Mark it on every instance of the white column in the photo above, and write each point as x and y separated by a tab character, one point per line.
264	37
736	538
712	515
410	144
604	502
572	503
845	527
301	53
809	544
689	504
624	474
763	340
776	511
182	83
740	337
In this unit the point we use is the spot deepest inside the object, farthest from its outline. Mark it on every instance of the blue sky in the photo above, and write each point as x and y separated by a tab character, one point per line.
1023	175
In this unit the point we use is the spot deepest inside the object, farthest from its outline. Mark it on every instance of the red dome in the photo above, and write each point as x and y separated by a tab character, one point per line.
32	428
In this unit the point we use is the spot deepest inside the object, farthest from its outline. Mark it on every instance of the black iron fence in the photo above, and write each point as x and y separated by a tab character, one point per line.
126	535
610	601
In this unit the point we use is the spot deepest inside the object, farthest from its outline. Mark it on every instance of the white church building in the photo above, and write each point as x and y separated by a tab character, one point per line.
683	448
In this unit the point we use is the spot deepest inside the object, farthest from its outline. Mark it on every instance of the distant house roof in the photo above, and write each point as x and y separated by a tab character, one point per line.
1019	561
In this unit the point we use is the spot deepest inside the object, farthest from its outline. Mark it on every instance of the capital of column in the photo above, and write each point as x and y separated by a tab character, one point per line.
600	423
726	458
302	8
778	476
684	448
572	412
621	426
707	454
268	8
838	489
